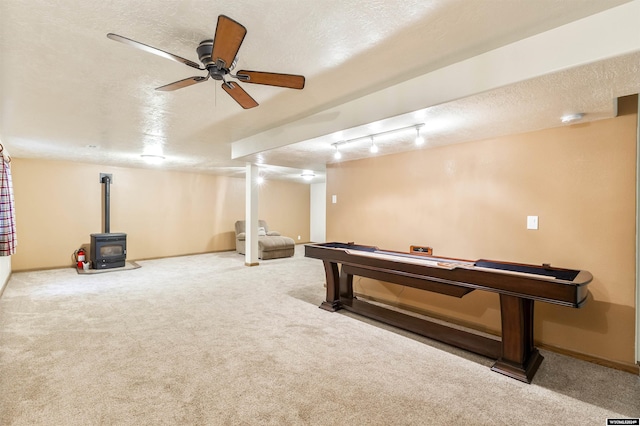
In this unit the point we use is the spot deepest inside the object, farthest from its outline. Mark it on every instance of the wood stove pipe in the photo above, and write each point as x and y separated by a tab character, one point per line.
106	180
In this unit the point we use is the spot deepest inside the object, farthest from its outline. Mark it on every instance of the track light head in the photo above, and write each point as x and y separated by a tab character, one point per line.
374	147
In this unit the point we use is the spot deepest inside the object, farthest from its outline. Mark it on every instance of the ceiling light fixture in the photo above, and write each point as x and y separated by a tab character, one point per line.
337	155
152	158
570	118
260	180
307	175
419	138
374	148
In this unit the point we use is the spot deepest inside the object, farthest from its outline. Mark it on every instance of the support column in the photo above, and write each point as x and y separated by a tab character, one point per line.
251	215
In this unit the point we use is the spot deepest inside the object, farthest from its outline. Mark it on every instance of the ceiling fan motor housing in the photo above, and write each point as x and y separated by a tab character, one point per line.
204	50
217	69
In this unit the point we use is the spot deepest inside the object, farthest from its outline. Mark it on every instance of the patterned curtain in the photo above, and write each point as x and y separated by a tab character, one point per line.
8	240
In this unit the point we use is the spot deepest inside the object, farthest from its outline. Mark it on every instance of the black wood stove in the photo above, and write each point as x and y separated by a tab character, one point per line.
108	250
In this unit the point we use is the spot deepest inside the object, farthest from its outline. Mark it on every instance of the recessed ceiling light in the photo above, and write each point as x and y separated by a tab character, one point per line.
570	118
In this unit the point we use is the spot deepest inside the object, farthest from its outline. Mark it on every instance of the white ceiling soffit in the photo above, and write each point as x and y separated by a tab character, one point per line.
599	54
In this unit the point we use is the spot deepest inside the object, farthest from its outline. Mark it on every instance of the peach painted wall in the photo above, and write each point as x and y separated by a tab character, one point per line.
163	213
471	201
286	208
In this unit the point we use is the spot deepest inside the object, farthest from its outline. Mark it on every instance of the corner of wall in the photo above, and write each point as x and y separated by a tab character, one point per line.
5	272
637	351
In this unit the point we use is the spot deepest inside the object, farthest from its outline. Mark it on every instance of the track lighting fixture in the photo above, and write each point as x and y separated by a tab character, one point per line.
419	138
337	155
374	147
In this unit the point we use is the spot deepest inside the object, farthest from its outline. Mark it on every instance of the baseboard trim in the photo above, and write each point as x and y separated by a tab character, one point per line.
629	368
4	285
182	255
616	365
73	266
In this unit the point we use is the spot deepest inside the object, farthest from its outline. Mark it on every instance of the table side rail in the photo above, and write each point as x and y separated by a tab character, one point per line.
372	272
410	280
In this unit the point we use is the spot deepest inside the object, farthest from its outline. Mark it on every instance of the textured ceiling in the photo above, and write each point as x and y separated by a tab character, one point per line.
524	106
68	92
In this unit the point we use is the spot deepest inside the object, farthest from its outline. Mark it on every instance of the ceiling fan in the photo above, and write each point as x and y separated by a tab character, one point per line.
219	57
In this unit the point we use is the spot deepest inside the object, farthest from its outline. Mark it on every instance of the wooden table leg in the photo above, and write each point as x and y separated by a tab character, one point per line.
332	302
346	284
520	359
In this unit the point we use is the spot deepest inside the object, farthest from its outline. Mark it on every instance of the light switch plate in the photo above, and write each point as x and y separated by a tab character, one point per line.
532	222
334	199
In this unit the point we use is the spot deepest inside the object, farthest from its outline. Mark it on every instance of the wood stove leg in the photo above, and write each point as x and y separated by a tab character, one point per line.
332	302
520	359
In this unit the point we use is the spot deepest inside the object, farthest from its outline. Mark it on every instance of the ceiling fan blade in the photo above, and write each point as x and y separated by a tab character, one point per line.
153	50
272	79
227	41
239	94
182	83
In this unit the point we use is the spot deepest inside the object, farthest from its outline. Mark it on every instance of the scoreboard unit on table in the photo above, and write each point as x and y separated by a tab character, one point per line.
518	285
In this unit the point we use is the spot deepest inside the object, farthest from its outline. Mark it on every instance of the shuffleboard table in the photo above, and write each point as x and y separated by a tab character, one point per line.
518	285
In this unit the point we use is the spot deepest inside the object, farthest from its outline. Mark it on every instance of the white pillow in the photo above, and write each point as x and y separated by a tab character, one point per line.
261	232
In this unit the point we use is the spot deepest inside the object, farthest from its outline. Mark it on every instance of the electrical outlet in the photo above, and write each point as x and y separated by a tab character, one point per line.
298	236
532	222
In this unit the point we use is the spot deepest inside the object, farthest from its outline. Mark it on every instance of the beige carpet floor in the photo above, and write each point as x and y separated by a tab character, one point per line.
204	340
